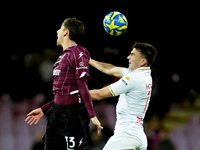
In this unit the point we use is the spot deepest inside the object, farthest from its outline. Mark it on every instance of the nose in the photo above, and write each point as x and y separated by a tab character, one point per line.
128	56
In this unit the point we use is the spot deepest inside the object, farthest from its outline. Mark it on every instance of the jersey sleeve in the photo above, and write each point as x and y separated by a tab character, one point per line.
124	85
80	64
47	106
85	95
125	71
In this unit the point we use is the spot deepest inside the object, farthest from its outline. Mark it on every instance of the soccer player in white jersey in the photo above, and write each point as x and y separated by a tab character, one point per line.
134	89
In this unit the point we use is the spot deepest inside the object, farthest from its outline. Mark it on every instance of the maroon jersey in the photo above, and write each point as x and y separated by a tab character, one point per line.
72	64
70	73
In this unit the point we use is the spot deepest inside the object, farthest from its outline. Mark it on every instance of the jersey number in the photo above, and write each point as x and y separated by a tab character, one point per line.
70	142
147	102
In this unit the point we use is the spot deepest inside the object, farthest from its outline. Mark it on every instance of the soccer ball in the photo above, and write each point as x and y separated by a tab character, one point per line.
115	23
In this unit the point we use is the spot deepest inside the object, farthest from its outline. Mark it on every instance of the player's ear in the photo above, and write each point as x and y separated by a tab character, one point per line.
66	32
144	62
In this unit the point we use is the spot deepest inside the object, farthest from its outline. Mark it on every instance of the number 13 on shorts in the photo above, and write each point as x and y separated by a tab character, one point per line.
70	142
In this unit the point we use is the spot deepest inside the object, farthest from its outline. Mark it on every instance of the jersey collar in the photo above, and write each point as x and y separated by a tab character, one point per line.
141	68
68	48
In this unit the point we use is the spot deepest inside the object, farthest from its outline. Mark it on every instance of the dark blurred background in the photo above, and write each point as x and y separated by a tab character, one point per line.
28	52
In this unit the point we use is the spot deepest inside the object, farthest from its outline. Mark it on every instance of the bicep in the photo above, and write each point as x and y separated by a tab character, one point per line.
105	92
116	71
121	86
120	71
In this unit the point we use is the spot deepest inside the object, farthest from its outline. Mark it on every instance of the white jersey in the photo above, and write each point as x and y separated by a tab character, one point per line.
134	89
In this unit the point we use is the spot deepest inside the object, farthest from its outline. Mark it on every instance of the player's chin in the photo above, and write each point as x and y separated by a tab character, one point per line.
58	44
131	68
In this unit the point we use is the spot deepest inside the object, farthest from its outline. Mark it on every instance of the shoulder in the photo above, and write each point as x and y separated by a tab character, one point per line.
124	71
128	73
132	79
79	57
79	49
79	53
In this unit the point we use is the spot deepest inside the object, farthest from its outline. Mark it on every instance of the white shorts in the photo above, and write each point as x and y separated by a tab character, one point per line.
124	141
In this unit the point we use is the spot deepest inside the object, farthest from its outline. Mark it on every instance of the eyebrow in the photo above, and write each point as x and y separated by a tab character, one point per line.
132	53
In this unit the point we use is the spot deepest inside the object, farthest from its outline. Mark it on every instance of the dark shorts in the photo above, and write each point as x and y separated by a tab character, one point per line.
67	128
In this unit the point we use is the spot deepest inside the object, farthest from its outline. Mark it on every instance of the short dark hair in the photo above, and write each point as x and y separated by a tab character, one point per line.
76	29
149	51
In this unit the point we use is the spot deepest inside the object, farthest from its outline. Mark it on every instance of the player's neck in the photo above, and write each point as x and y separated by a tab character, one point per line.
67	44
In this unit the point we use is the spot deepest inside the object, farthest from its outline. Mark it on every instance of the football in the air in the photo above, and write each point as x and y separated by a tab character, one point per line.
115	23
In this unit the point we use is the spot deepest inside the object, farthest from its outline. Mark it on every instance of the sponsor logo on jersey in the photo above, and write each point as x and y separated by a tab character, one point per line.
80	55
124	81
81	64
78	68
128	78
56	72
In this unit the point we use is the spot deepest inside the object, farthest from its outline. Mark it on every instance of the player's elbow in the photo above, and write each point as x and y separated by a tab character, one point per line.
96	95
100	94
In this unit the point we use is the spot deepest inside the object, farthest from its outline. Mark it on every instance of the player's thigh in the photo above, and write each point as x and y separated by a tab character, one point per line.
53	139
74	128
122	142
56	140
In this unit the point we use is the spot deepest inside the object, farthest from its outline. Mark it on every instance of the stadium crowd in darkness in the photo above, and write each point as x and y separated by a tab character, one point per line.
20	76
24	76
26	64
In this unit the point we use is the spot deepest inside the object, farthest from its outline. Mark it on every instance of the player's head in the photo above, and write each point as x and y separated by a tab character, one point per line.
142	55
71	28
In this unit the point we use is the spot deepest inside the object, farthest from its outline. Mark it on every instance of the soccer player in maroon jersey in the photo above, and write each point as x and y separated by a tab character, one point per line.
70	112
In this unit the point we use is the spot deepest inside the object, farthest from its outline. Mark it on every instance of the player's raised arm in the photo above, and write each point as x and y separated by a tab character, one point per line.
106	68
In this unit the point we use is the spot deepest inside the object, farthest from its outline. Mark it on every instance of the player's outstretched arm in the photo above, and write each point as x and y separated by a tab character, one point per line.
106	68
100	93
34	116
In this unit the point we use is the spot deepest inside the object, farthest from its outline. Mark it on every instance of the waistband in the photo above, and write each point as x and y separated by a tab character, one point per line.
60	99
62	92
68	106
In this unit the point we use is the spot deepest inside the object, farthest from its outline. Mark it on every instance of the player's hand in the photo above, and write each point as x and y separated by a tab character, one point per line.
96	122
91	61
34	116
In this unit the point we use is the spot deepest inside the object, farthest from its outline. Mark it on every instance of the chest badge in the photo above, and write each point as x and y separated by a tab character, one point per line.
128	78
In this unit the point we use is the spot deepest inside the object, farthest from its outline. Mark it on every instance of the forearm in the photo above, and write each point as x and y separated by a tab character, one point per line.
88	104
95	95
100	93
106	68
101	66
47	106
85	95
